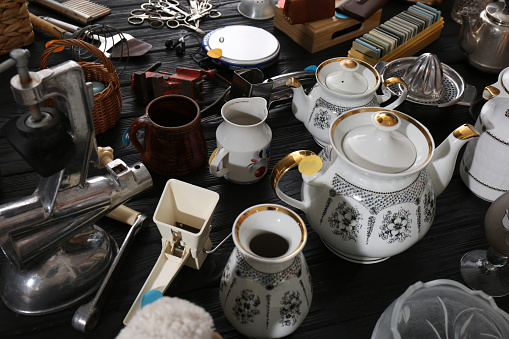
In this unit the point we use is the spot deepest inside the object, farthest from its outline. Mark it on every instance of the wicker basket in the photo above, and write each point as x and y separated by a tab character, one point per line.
108	102
15	27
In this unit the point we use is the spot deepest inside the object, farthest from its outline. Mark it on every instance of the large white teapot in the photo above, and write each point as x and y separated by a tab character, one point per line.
371	194
486	160
342	84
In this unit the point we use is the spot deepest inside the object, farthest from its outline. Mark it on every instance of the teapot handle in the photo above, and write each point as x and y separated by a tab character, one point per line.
387	94
490	92
288	162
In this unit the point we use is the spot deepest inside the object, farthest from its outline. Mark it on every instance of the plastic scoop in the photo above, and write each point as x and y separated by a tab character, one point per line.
183	217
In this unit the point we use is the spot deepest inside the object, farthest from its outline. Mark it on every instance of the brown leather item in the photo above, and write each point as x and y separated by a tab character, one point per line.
360	9
174	144
300	11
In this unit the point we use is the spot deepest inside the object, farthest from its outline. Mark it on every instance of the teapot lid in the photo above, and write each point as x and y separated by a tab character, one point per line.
380	146
498	12
346	80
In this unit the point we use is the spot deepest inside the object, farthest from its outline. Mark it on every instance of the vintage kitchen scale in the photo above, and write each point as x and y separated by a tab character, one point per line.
56	256
242	46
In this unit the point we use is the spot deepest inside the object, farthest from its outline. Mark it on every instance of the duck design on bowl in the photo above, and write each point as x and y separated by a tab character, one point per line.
371	193
342	84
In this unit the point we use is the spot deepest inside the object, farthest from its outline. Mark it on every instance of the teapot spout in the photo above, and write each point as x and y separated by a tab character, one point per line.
301	103
467	36
442	165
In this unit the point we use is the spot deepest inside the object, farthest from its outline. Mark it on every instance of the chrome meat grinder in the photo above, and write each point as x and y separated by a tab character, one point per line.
56	255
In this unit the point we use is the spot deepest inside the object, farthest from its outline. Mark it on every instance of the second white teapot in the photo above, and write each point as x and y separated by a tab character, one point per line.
342	84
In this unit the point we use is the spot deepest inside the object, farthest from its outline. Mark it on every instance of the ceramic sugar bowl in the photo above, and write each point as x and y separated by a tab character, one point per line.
342	84
371	194
486	160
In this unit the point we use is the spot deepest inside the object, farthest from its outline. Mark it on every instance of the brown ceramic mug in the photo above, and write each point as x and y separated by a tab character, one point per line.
174	144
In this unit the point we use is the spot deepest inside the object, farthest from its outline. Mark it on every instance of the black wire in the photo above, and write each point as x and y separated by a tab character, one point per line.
198	52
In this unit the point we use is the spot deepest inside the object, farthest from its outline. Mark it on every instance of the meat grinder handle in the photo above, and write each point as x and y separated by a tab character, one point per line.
49	28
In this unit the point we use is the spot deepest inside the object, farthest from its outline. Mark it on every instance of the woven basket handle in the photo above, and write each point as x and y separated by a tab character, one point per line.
79	43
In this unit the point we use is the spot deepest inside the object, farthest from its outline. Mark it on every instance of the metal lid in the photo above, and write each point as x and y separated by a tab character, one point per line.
498	12
379	146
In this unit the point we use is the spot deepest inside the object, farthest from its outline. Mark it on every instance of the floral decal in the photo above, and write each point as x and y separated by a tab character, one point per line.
245	308
290	311
225	277
344	221
429	206
395	226
322	119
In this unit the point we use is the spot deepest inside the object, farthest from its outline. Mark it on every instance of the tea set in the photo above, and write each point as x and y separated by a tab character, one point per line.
369	194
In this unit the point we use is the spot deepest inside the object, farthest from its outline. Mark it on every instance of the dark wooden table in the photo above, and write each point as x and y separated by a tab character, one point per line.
348	298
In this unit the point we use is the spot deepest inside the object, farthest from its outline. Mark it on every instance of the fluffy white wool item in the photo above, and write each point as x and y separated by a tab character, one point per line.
169	318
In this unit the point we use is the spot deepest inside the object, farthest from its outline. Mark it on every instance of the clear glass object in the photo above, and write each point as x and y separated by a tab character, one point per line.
442	309
474	7
488	270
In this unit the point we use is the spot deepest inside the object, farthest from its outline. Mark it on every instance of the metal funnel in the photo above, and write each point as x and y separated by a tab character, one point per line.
257	9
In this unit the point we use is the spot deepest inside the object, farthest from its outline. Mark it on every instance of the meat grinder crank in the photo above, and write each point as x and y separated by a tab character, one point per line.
56	256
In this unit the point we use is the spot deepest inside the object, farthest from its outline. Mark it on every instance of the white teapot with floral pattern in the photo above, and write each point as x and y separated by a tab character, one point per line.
342	84
371	194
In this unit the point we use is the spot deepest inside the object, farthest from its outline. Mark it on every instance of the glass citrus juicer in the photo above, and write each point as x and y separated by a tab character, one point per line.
488	270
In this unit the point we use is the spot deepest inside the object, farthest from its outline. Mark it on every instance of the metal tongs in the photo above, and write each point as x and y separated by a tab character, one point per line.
251	83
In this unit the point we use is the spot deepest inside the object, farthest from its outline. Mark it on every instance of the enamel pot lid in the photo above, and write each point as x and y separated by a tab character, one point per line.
243	46
381	140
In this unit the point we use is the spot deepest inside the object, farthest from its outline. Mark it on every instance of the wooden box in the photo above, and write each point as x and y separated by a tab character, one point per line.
317	35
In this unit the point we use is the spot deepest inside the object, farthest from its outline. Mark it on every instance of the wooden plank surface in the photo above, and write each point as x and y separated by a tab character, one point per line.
347	298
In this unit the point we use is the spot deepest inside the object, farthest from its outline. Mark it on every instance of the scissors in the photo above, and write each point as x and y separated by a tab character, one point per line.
176	23
138	17
211	13
173	5
202	9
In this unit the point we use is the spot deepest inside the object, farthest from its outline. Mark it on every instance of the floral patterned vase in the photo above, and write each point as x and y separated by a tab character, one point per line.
265	289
